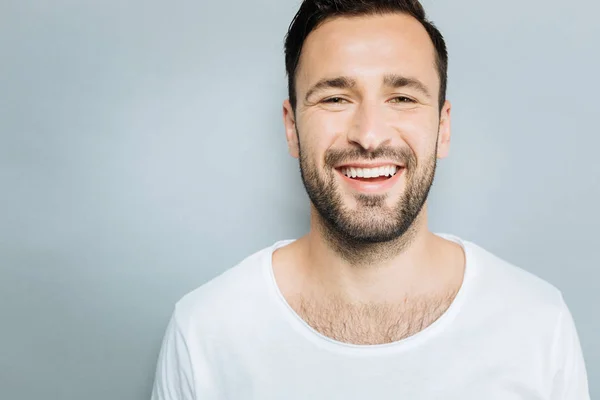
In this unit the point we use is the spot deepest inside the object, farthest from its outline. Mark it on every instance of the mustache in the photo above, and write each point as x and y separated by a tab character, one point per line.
404	156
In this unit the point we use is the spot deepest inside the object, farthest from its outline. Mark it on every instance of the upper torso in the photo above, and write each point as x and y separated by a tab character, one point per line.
501	337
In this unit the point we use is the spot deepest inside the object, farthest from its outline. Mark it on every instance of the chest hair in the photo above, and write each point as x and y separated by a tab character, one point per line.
371	323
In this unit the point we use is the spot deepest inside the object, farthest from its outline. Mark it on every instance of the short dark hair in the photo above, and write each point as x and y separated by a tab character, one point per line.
313	13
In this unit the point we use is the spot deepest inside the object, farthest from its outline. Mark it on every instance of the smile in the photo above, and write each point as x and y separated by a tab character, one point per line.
385	171
375	179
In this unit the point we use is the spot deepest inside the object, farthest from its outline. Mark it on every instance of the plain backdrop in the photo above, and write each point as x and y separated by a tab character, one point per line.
142	153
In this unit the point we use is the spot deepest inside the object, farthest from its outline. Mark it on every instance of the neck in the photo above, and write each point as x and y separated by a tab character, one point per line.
374	272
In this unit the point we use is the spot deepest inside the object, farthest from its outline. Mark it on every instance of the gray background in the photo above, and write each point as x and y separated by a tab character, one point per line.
142	153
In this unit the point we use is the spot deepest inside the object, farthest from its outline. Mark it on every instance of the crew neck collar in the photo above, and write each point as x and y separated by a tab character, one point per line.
307	331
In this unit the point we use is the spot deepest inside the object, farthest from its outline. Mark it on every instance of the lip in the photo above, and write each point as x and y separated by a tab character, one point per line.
371	187
369	165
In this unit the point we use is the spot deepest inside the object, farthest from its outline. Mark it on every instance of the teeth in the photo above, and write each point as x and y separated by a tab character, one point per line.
351	172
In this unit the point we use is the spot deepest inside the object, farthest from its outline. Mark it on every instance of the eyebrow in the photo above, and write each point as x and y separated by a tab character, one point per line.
393	81
398	81
341	82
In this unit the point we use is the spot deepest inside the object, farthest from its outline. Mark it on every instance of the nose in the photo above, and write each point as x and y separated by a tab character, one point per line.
369	128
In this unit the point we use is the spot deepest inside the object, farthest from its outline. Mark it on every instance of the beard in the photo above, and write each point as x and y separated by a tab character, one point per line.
372	225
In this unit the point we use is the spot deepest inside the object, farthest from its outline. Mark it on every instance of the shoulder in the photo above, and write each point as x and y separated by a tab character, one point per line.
237	293
494	272
510	292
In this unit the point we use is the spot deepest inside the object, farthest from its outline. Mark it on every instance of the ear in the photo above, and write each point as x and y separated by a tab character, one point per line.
443	145
289	122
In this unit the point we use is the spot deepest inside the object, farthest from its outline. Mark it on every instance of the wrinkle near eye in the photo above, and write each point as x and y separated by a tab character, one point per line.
308	103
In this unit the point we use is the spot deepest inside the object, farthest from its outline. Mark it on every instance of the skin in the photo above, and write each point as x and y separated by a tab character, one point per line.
410	270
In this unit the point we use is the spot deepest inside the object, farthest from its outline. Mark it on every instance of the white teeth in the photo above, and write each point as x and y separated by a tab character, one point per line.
351	172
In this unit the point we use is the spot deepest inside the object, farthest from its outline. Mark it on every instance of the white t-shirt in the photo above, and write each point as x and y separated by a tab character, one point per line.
507	335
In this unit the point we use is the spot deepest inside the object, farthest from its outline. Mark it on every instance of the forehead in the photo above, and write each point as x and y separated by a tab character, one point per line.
368	47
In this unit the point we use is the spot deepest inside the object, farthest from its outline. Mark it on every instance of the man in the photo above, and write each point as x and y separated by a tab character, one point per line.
370	304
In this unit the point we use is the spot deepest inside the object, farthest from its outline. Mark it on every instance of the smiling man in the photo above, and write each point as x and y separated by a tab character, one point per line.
370	304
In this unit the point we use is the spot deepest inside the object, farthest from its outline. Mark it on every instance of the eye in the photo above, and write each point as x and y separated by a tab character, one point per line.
402	99
335	100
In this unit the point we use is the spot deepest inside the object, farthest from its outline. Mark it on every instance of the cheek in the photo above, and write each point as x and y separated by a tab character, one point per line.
419	130
324	126
319	132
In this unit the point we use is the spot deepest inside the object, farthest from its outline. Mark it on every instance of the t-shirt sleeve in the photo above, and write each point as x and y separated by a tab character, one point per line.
570	377
174	378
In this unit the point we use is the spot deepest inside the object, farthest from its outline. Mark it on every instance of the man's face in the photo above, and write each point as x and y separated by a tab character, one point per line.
367	126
